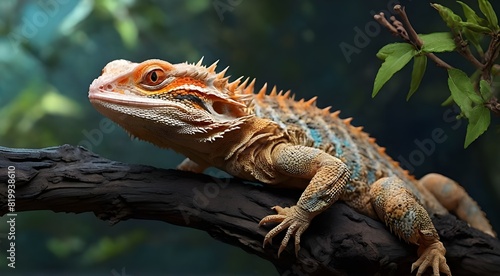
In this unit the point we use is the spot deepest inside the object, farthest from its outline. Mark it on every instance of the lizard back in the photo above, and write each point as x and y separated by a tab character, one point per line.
327	131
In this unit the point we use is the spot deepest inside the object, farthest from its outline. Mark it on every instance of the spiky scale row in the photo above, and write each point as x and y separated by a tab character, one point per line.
243	92
263	98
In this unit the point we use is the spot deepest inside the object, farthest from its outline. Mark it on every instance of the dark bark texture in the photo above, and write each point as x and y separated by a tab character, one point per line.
339	241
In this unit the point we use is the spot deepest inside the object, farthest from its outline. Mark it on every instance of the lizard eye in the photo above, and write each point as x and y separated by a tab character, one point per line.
154	77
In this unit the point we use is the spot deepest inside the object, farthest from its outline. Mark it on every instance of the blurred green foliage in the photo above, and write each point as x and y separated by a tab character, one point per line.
51	50
107	247
31	111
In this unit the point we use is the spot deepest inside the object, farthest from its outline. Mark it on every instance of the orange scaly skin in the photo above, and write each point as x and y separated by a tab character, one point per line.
279	141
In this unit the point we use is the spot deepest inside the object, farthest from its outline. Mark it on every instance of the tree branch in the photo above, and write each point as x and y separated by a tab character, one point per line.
410	35
490	57
339	241
464	50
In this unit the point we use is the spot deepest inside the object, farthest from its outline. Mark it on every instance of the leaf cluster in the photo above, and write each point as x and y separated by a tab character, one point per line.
473	94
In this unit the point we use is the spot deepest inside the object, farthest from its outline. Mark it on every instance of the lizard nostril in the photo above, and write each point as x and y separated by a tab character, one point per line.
109	87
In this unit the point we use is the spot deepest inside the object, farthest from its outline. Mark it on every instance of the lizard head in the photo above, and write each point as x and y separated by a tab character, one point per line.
175	101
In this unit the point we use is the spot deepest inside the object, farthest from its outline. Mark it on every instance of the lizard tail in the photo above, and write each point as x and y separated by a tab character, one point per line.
454	198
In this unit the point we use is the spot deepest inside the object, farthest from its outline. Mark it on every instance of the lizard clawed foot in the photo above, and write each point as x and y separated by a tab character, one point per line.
294	218
432	255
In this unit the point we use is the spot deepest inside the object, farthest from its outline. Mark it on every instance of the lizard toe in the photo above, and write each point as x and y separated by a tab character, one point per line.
275	231
293	218
272	218
432	256
281	216
291	230
298	233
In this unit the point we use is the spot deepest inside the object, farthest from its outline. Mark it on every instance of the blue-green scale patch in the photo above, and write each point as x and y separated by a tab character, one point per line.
316	136
371	176
349	187
354	165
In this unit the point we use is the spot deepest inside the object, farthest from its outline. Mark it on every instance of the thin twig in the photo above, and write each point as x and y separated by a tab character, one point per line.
413	35
401	29
380	18
439	62
416	39
493	105
464	50
397	28
490	56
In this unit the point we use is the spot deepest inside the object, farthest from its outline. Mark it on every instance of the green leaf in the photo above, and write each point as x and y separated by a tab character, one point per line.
471	15
474	97
437	42
459	84
485	89
448	101
473	37
475	27
389	49
489	13
396	56
464	95
450	18
479	120
419	65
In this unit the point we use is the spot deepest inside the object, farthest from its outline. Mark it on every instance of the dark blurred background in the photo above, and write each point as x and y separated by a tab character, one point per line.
51	50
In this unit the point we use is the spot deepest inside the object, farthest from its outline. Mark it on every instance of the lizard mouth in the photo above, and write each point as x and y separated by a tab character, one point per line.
99	92
124	99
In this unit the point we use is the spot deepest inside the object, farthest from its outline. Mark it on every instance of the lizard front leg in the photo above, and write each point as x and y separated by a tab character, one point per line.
406	217
328	177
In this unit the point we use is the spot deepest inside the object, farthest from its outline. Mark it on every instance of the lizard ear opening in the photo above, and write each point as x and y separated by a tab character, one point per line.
227	109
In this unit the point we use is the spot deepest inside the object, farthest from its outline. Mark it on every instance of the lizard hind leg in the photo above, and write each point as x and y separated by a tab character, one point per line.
454	198
406	217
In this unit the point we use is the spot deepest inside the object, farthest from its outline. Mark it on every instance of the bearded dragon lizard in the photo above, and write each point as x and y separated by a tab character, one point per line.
274	139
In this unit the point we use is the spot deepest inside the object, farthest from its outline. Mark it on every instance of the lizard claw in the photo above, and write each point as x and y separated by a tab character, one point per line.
294	218
433	255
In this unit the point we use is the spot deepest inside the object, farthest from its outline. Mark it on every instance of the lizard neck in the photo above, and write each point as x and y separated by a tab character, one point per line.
226	153
194	145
